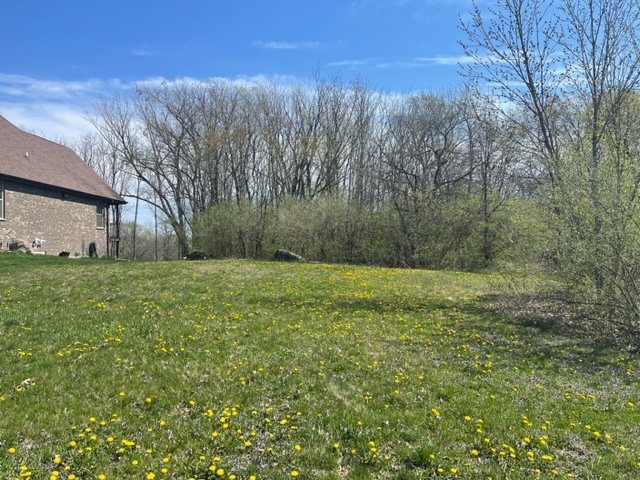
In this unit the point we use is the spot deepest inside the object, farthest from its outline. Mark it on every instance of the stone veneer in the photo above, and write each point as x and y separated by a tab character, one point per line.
66	222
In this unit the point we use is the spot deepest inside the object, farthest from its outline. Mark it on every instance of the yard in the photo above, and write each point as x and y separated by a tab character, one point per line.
243	369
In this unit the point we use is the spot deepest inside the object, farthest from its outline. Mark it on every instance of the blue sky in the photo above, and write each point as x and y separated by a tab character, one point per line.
58	56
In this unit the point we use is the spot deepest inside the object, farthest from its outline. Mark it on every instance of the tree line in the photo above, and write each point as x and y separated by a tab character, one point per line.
535	159
225	164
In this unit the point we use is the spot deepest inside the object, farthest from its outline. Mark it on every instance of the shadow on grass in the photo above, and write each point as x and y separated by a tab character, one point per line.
553	331
539	330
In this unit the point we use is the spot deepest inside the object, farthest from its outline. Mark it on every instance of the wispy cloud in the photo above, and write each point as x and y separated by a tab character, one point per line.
52	108
285	45
348	63
24	86
143	51
57	109
424	62
446	60
401	65
51	120
240	80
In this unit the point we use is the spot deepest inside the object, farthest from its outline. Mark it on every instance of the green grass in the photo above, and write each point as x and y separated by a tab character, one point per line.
189	370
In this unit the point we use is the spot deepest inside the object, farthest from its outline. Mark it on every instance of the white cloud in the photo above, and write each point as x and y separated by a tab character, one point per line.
50	120
57	109
52	108
240	80
23	86
422	62
446	60
348	63
285	45
142	52
400	65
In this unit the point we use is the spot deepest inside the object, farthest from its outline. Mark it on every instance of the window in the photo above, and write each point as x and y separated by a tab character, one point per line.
99	216
2	197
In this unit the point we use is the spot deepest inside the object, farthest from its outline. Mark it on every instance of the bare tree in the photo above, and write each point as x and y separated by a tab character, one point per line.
575	69
514	54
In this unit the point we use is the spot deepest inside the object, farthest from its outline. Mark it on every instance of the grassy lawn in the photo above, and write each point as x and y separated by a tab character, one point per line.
237	369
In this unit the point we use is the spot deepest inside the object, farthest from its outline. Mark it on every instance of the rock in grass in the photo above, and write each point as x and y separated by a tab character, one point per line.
287	256
196	255
19	246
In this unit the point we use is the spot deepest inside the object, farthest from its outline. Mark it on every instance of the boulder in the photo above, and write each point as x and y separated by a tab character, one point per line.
196	255
19	246
287	256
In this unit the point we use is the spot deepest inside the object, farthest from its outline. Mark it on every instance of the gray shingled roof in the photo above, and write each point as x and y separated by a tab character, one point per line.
48	164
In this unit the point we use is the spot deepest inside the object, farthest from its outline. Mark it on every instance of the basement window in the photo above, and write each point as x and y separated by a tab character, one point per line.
100	216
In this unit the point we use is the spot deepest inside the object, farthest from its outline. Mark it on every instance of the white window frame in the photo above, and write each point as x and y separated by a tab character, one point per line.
2	200
100	216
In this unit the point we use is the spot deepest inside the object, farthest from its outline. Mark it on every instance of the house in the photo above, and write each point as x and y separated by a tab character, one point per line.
51	199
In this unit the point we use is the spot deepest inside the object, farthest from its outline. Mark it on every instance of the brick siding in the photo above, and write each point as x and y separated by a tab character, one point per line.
67	222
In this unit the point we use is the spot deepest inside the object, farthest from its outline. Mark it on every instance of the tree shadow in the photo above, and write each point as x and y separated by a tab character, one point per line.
541	330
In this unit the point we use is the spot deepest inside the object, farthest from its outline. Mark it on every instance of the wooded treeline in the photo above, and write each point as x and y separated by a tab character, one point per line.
536	159
335	171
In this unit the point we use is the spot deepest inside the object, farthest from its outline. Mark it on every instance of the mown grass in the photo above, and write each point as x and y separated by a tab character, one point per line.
237	369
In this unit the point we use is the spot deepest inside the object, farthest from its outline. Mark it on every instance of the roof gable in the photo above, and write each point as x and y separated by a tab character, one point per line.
34	159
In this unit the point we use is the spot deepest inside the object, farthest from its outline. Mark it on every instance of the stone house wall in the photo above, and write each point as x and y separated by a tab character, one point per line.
66	222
